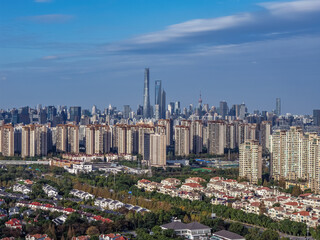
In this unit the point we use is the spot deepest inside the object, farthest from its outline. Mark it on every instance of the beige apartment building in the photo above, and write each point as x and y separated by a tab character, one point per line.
250	161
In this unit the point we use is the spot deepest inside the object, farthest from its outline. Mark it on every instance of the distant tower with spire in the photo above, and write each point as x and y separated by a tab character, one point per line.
200	102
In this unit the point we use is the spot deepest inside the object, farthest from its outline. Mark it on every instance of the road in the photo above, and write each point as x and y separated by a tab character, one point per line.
247	225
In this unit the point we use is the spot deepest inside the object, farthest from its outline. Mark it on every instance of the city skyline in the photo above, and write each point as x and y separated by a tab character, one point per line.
250	51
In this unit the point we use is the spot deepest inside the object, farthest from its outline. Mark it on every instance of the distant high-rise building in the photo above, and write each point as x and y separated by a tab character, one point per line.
316	117
140	110
75	114
157	111
266	129
223	109
73	139
126	111
24	115
171	108
34	141
61	138
287	156
51	112
200	103
157	94
250	161
216	133
278	107
94	110
7	140
163	104
160	101
146	97
196	135
158	150
242	111
98	139
167	123
295	155
182	140
144	140
177	107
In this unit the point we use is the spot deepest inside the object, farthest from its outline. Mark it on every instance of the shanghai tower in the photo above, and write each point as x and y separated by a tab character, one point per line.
146	97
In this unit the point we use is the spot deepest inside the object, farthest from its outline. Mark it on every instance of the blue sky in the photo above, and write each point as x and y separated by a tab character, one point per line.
80	52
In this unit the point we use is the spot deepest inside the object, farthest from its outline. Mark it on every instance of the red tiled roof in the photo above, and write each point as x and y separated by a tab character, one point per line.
216	178
144	181
255	204
48	206
14	222
193	185
69	210
305	195
230	180
292	203
279	208
280	198
302	213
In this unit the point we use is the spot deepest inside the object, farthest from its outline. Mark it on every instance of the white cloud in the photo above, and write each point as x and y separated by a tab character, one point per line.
194	26
301	6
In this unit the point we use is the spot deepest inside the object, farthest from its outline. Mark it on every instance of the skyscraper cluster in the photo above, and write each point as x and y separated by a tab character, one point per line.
160	98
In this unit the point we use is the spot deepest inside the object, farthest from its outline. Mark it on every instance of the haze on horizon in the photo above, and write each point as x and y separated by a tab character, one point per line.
80	52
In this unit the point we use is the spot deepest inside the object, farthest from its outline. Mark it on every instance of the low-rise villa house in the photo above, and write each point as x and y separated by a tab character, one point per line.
302	216
81	194
171	182
192	187
292	206
192	230
253	207
226	235
277	213
14	224
269	202
50	191
112	236
195	180
168	189
189	195
153	186
21	188
38	237
143	183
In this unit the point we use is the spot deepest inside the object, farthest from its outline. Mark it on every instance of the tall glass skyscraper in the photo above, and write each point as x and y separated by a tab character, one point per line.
223	109
278	106
146	97
75	114
316	117
157	99
157	94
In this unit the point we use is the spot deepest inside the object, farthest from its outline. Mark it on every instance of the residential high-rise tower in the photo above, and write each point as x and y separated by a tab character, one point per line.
250	160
